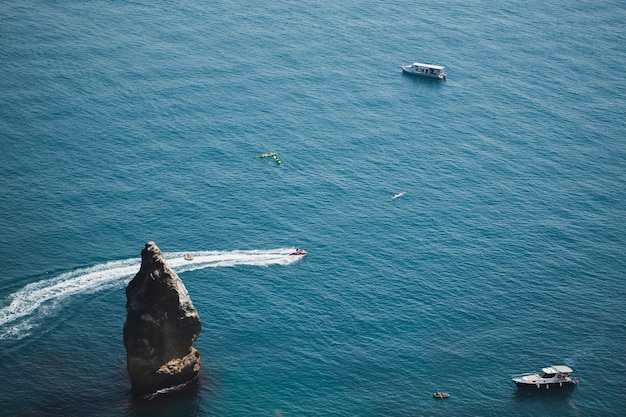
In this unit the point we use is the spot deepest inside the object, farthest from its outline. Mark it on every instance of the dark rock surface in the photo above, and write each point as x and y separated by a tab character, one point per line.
161	328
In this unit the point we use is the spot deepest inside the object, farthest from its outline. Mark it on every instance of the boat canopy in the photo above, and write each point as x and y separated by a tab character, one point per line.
558	369
437	67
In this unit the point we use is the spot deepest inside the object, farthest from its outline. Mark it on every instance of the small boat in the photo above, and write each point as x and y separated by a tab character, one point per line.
425	70
441	394
397	195
553	377
189	256
298	252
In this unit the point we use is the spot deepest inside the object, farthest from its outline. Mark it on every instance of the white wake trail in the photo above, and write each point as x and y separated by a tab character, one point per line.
27	306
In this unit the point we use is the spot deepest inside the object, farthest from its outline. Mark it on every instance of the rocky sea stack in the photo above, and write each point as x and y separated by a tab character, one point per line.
161	328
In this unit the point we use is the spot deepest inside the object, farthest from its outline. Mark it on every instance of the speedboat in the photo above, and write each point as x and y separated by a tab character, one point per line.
298	252
441	394
425	70
397	195
189	256
555	376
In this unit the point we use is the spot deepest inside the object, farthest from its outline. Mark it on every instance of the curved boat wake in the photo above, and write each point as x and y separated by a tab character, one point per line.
40	299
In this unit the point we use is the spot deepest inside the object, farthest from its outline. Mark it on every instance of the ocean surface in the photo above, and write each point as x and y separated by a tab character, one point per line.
128	122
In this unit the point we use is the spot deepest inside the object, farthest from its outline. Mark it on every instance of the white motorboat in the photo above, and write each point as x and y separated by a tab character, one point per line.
425	70
555	376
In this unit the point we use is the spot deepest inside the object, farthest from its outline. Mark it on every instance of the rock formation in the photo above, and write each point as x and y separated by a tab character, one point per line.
161	328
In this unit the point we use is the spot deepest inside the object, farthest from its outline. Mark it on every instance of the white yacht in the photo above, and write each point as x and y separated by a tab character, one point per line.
555	376
425	70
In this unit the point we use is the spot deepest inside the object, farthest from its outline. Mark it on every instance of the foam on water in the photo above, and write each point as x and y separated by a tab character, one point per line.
34	301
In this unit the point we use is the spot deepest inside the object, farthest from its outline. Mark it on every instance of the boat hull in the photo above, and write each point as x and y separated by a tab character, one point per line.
546	385
409	70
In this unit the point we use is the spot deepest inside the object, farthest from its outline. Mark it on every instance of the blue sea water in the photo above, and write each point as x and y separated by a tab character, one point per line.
124	122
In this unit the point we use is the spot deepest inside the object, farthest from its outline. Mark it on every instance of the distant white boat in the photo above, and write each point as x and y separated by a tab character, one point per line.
553	377
397	195
425	70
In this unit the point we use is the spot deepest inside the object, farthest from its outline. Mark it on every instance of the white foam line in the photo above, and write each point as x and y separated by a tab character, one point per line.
40	299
